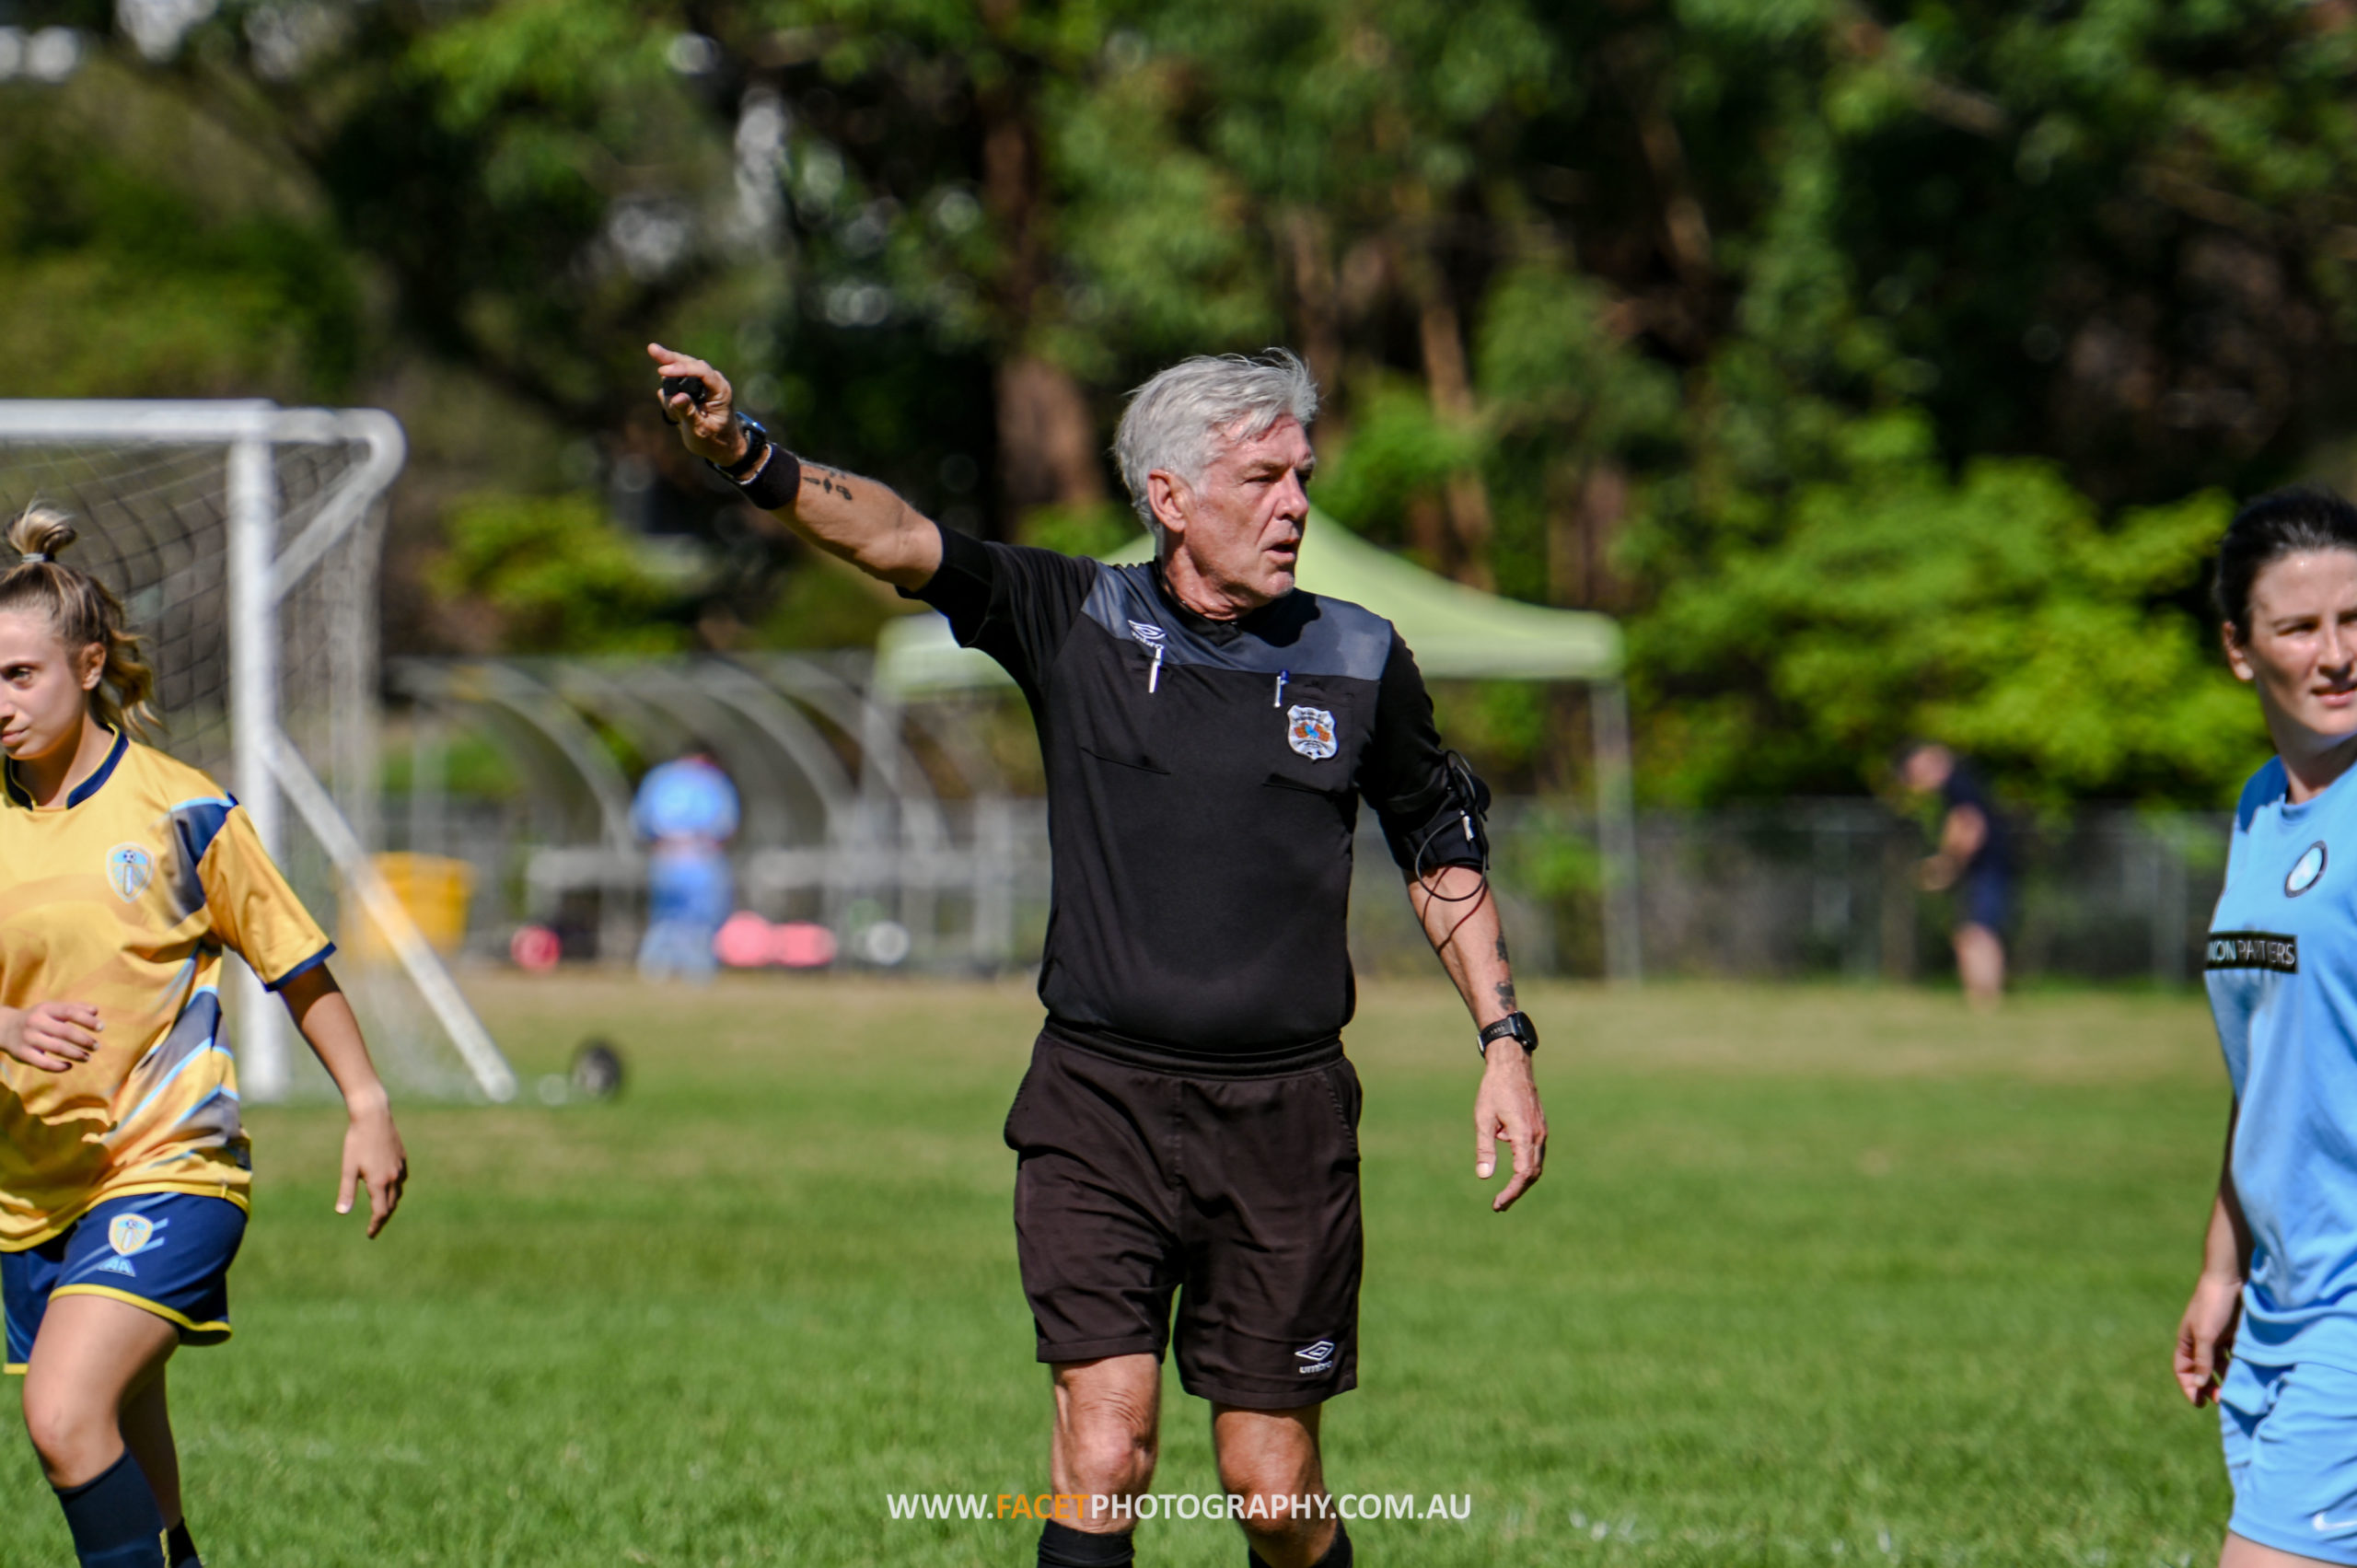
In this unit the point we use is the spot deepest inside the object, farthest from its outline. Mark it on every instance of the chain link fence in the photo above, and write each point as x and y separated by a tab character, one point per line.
1827	889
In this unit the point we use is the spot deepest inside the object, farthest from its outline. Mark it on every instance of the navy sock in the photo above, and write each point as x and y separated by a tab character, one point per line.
179	1547
115	1518
1061	1546
1337	1555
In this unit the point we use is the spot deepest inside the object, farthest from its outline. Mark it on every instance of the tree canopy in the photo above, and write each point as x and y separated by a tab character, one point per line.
1887	366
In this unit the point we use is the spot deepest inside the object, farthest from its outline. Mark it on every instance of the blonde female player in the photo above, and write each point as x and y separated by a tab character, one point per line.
123	1169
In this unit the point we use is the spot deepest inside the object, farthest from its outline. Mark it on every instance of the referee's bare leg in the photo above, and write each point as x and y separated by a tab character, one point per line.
1108	1423
1271	1457
1108	1419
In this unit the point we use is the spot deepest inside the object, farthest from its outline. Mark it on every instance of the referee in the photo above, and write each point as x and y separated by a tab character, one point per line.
1188	1122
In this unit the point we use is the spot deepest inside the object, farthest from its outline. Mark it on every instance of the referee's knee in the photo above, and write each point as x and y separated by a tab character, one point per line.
1109	1442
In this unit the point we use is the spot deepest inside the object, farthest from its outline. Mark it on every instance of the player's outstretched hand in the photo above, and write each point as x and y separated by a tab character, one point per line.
2205	1336
52	1036
709	427
1508	1107
373	1158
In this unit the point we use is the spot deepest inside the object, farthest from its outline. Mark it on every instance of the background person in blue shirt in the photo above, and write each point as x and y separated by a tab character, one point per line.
2270	1333
688	809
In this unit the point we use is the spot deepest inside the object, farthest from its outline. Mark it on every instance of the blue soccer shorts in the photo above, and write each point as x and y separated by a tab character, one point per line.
2290	1436
166	1252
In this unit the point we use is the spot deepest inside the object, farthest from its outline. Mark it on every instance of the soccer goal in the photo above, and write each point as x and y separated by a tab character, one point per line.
244	540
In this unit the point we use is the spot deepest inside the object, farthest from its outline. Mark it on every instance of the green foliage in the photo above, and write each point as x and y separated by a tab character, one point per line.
1993	610
2094	258
1081	530
828	604
562	578
120	278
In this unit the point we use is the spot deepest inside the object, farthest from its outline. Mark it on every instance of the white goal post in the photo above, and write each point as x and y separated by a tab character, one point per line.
245	541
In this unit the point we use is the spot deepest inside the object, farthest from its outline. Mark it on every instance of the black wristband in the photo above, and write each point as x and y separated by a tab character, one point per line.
780	481
772	486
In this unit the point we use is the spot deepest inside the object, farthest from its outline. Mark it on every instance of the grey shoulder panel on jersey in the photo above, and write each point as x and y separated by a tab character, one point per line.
1302	633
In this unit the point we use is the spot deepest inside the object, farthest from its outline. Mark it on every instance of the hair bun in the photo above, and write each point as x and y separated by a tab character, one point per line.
40	530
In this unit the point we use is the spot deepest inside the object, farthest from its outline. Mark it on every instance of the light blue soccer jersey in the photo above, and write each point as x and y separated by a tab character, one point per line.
2283	978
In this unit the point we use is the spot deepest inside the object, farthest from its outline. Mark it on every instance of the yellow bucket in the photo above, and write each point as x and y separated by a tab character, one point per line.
433	888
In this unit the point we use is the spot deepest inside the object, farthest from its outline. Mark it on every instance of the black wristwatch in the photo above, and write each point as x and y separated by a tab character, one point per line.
1515	1027
757	441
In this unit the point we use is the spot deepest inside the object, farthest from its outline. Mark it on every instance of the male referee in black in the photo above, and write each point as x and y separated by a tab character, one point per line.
1188	1124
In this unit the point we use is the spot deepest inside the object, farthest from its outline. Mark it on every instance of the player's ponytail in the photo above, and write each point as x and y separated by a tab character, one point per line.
84	611
2283	522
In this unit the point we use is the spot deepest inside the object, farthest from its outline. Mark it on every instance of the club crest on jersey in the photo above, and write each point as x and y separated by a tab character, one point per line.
129	1234
129	870
1310	731
2304	871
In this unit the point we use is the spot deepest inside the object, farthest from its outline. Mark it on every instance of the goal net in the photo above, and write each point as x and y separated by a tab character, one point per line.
245	541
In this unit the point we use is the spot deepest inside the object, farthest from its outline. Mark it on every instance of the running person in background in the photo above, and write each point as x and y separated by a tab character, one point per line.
688	808
2270	1333
1188	1127
124	1170
1975	858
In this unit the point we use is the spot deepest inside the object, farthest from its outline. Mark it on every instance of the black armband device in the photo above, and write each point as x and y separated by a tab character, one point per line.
771	485
1462	825
1516	1027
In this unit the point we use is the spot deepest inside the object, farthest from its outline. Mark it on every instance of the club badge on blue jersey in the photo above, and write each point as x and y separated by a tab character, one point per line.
2304	871
129	870
1310	731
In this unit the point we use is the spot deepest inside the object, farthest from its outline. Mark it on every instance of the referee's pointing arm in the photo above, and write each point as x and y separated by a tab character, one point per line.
858	520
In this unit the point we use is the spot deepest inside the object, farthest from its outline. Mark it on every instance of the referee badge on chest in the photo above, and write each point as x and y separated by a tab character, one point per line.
1310	731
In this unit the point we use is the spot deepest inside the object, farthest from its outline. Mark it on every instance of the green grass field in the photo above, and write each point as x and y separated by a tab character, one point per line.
1816	1276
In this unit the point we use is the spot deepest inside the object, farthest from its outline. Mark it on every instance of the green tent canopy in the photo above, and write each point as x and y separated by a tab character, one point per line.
1459	633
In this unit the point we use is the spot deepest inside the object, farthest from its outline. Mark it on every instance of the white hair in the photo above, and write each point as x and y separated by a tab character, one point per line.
1177	422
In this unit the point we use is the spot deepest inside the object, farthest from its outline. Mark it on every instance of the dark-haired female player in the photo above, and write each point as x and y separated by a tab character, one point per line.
2270	1333
123	1169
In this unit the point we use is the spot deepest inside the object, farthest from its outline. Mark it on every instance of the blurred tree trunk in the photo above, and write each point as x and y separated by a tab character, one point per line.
1047	438
1441	337
1310	238
1585	512
1047	444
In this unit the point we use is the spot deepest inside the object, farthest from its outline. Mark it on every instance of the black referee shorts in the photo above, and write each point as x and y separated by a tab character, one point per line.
1239	1194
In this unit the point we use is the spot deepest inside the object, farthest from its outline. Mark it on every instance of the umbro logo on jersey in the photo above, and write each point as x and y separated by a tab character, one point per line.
2254	950
2304	871
1319	1357
1146	633
129	870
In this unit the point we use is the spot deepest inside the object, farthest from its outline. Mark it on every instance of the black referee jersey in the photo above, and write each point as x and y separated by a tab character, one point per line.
1203	785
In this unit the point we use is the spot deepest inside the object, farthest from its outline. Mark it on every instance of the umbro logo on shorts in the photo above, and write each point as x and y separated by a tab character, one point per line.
2254	950
1316	1358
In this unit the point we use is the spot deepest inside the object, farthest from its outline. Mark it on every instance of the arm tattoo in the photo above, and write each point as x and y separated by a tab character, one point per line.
1506	986
834	481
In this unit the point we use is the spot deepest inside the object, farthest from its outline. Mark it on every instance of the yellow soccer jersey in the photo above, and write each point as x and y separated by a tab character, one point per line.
124	898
